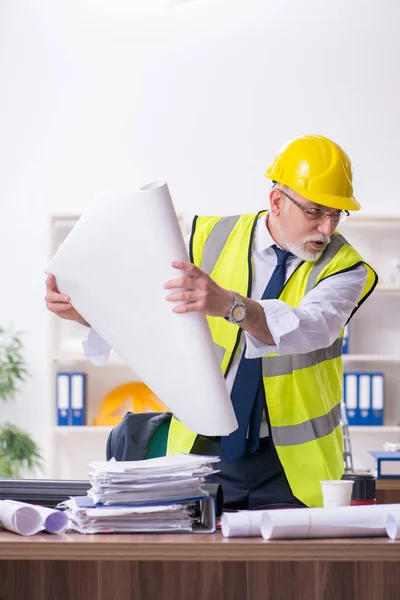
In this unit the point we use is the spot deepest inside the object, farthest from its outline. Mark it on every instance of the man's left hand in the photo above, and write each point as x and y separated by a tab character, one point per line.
199	293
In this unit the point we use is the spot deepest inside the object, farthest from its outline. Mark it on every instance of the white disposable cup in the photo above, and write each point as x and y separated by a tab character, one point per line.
336	492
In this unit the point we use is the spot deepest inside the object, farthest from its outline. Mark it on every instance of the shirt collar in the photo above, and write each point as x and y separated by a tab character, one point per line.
263	238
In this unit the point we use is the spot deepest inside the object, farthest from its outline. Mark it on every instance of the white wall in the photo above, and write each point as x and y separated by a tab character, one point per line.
99	94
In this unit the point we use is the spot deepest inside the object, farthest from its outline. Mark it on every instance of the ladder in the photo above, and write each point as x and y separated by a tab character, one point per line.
347	453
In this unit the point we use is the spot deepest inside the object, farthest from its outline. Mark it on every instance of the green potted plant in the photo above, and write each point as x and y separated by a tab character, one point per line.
19	453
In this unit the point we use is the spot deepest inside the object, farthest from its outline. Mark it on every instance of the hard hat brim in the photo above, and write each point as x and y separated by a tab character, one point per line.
337	202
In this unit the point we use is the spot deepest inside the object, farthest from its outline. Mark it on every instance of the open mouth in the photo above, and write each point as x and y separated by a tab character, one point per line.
318	245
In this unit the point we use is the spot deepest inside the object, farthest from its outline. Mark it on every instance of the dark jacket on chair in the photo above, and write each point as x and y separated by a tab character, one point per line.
139	436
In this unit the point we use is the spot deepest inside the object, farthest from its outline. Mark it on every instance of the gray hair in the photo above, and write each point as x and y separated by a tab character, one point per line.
285	188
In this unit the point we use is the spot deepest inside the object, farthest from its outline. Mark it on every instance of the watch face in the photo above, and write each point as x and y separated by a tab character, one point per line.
238	313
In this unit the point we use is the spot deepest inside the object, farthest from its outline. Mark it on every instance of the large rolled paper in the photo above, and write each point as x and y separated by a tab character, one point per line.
245	523
20	518
28	519
348	521
393	525
54	520
113	265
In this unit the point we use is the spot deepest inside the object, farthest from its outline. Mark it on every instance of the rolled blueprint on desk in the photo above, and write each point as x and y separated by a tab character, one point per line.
343	521
297	523
113	265
20	518
28	519
393	525
244	523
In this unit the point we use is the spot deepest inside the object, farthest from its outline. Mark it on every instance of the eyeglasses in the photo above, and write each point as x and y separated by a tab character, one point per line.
317	214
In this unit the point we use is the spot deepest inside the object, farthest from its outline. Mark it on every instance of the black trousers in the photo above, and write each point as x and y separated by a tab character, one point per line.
255	480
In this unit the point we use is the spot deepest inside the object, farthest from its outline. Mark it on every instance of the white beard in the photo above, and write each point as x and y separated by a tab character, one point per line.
299	250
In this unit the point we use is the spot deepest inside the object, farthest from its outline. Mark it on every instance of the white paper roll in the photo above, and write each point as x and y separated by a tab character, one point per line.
245	523
393	525
113	266
352	521
54	521
31	518
20	518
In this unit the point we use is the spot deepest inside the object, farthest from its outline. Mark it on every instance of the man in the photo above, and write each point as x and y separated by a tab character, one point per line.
278	288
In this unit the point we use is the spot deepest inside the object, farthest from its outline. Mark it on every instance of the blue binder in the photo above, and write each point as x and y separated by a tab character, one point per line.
63	399
364	398
71	399
78	398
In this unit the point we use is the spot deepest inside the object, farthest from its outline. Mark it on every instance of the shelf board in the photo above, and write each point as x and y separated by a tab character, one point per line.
113	360
67	429
372	220
382	358
388	484
374	429
387	288
103	428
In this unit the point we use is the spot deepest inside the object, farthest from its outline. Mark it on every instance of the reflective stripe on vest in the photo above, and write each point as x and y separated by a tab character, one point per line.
216	242
337	242
273	366
292	435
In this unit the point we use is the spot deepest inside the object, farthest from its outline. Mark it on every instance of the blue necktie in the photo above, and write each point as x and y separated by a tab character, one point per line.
247	396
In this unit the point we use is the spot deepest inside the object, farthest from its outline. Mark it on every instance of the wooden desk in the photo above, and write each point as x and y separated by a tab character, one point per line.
196	567
388	491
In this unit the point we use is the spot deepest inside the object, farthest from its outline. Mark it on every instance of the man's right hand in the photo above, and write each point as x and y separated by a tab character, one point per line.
60	304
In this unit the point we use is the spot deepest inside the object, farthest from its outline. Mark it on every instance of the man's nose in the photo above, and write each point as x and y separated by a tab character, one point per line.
326	227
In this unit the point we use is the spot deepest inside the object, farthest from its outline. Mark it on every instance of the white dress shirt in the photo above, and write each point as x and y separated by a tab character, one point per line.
314	324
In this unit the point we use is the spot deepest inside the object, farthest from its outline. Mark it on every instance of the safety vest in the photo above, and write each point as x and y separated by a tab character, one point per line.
303	391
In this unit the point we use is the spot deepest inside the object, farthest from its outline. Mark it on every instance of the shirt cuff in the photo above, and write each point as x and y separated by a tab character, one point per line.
96	349
280	319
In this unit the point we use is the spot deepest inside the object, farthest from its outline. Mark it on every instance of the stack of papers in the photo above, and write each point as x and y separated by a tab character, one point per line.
154	480
133	519
154	495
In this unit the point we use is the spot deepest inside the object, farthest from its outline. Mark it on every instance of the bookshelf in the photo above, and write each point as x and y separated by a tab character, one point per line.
374	341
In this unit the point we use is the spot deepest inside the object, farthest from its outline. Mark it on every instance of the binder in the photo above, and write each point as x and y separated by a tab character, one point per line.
63	399
71	399
364	398
378	392
204	508
78	398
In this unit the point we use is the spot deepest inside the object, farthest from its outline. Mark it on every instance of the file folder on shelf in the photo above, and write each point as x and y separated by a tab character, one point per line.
63	399
71	399
78	398
364	398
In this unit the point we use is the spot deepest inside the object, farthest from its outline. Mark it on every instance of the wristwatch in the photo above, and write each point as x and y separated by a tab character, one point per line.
238	311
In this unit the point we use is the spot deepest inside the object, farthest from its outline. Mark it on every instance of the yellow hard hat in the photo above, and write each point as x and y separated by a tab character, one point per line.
318	169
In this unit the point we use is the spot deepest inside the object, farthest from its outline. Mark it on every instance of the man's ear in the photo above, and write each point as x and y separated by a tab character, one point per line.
276	202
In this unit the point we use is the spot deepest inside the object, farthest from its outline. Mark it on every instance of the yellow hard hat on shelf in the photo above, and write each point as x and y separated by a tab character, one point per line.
134	396
318	169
